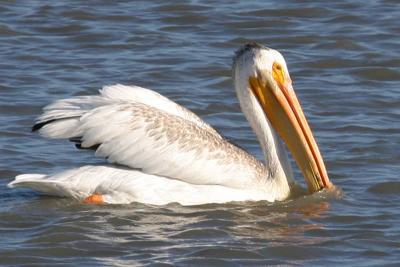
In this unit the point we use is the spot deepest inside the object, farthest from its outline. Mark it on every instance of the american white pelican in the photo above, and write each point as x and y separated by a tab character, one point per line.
161	152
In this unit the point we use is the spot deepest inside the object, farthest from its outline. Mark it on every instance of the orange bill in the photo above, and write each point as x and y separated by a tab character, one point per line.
282	108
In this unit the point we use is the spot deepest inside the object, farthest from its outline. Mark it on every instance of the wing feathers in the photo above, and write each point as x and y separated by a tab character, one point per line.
139	128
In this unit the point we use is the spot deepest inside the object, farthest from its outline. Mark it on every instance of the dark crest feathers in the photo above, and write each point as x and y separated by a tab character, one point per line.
247	47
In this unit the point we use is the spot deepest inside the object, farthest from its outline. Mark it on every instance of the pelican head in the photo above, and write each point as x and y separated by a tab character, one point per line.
265	92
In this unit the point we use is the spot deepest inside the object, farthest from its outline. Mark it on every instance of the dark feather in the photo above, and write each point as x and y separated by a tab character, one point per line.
78	143
94	147
39	125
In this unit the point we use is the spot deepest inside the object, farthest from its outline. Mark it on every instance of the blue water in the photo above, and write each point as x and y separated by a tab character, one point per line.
344	60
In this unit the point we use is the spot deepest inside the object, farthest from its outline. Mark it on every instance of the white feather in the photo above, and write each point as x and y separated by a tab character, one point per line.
122	186
170	154
141	136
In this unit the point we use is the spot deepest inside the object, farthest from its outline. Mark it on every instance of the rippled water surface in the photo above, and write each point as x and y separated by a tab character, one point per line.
344	59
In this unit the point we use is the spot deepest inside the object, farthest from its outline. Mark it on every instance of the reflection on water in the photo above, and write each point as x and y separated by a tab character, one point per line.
289	222
343	59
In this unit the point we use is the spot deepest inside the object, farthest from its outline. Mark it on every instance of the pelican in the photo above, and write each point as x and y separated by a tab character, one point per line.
160	152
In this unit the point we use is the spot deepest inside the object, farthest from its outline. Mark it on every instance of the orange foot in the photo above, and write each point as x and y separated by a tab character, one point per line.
94	199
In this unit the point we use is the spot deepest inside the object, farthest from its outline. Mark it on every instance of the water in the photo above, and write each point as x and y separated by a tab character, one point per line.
344	60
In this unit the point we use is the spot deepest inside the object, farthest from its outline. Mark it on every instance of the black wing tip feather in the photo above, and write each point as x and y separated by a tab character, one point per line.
77	140
94	147
40	125
78	144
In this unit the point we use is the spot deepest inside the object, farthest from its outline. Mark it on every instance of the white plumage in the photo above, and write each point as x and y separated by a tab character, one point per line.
163	152
122	186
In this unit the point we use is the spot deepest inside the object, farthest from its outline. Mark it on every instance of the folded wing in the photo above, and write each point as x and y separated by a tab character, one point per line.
141	129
